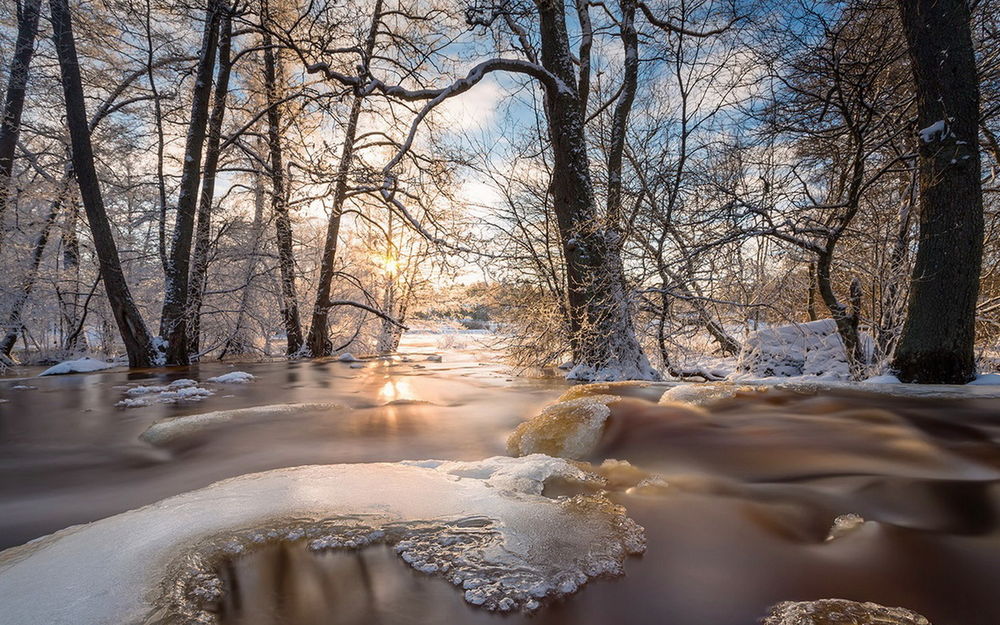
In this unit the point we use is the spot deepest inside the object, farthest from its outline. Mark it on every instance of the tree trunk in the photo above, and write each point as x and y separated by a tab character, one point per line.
138	342
173	320
603	339
199	262
10	124
279	205
238	341
69	303
938	338
319	339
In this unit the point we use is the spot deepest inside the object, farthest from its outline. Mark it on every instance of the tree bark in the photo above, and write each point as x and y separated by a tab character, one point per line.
319	340
938	338
602	337
138	342
173	320
199	262
279	205
10	124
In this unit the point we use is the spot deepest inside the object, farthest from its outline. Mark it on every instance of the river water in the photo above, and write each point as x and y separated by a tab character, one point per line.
745	493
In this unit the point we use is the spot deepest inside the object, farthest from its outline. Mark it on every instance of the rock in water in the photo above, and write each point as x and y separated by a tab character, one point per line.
840	612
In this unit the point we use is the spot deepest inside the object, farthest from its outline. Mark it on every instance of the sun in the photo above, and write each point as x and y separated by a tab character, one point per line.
388	263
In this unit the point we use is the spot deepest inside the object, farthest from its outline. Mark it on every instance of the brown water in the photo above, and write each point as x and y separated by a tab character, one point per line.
754	485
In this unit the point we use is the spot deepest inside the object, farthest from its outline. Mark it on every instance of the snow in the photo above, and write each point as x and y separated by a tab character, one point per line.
936	131
986	379
797	349
568	429
233	377
347	357
700	394
480	525
178	390
81	365
882	379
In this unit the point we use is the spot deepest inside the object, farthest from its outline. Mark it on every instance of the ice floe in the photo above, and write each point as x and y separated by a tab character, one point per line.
568	429
480	525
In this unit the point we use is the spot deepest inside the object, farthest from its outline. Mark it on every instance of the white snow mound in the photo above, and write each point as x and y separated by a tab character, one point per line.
797	349
480	525
81	365
233	377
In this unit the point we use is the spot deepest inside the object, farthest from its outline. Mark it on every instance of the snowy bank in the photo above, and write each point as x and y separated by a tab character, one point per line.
796	349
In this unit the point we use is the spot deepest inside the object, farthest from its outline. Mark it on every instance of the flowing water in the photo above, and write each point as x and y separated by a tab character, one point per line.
738	498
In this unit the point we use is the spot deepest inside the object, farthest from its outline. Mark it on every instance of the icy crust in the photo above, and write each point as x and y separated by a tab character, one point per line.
701	394
483	526
840	612
165	431
568	429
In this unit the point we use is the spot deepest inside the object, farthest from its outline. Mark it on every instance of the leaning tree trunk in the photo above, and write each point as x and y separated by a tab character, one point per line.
10	124
279	204
199	262
938	338
602	337
173	320
138	342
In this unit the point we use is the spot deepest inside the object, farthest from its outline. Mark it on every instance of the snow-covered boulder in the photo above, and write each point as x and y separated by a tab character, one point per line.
796	349
81	365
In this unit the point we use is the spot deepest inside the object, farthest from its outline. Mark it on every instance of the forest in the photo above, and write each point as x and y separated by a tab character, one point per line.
631	189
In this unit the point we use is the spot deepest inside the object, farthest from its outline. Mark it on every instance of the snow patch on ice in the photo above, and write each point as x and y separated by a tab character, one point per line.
168	430
81	365
507	548
233	377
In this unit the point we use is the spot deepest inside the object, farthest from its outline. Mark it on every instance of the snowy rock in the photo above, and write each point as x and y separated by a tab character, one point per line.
568	429
701	394
844	524
347	357
233	377
840	612
602	388
82	365
506	547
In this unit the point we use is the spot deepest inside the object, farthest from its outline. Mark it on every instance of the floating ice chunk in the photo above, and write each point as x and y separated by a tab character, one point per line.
233	377
434	358
347	357
506	549
840	612
23	387
133	402
845	524
145	390
82	365
182	383
568	429
167	430
187	393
